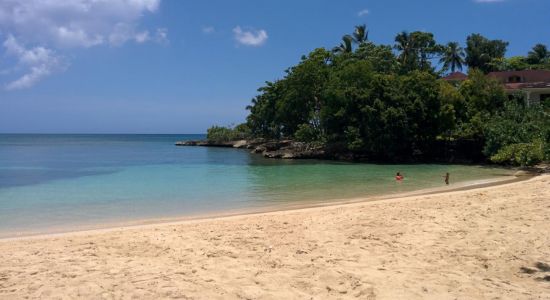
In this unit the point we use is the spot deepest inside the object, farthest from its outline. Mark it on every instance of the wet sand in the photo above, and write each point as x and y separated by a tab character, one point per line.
485	243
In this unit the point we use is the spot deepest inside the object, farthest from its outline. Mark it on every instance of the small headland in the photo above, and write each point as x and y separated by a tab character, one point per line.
285	149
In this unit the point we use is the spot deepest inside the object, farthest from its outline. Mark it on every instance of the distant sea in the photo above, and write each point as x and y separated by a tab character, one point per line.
51	182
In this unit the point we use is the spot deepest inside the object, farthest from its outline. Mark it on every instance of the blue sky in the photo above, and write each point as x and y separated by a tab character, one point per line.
171	66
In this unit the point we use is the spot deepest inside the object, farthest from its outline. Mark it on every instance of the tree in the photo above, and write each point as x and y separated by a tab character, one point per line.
283	106
221	134
384	103
538	55
514	63
480	52
263	119
381	57
360	35
483	97
453	57
404	44
416	50
517	134
346	46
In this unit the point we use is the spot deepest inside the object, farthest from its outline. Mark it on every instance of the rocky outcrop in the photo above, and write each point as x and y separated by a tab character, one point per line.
205	144
284	149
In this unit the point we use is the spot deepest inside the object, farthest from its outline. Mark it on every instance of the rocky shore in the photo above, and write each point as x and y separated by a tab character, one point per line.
285	149
289	149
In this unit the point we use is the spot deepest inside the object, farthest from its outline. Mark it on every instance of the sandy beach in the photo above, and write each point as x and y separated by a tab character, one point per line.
486	243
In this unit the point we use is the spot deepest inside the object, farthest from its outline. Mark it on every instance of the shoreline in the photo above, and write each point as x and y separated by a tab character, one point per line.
484	243
279	208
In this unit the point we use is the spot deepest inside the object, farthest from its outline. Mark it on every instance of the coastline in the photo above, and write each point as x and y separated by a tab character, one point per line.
483	243
288	207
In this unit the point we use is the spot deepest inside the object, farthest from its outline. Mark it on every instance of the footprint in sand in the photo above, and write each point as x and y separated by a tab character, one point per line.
540	267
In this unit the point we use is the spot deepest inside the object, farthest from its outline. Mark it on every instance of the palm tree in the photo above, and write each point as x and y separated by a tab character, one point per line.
361	34
538	55
453	57
405	45
346	46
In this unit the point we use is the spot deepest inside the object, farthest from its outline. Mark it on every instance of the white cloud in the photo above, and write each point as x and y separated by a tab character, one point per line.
39	61
363	12
142	37
253	38
40	26
488	1
161	35
208	29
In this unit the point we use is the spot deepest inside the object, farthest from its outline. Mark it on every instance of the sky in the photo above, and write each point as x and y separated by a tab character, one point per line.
180	66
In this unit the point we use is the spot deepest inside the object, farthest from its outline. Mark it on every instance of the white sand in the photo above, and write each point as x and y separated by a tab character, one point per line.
457	245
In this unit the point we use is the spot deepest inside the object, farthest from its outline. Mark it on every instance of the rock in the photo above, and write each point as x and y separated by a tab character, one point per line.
282	149
276	145
186	143
259	149
522	173
204	143
240	144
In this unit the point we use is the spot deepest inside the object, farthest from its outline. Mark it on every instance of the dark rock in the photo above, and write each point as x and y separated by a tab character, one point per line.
205	144
283	149
186	143
259	149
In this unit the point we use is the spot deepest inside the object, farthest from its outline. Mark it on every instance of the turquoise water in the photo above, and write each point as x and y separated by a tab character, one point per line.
48	182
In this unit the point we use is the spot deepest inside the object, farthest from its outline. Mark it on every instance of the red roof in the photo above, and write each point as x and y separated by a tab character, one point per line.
459	76
529	85
526	76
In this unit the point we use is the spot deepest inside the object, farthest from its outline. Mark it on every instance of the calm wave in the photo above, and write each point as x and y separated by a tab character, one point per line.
62	181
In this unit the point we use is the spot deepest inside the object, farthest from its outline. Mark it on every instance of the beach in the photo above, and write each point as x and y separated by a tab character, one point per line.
485	243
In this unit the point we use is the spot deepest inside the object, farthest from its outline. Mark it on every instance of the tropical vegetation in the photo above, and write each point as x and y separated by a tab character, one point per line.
389	103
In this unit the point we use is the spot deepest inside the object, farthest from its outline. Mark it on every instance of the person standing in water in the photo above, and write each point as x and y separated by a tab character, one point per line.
447	178
398	176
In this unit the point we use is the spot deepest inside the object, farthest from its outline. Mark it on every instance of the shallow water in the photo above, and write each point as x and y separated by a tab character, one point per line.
49	182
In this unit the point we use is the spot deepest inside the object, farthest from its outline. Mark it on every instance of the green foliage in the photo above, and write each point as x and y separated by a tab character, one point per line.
221	134
545	103
380	57
307	133
516	124
416	50
514	63
452	57
360	35
354	142
537	59
294	100
346	46
523	154
483	96
538	55
389	106
480	52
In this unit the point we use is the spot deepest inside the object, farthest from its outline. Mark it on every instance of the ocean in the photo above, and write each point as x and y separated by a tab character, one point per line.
51	182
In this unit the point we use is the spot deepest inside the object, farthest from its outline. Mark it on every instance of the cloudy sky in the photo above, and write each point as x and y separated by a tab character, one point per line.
177	66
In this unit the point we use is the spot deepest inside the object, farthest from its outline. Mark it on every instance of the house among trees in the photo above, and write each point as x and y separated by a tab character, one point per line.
534	84
456	76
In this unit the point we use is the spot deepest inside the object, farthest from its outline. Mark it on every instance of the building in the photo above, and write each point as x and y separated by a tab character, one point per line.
533	84
456	76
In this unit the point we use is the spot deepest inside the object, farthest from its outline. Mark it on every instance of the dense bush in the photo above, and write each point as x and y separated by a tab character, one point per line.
220	134
307	133
389	105
524	154
517	125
